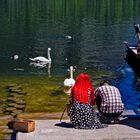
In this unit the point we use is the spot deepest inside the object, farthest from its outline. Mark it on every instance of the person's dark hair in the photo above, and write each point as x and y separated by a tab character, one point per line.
103	82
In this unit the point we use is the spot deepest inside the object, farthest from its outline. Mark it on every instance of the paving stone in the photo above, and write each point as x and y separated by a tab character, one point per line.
127	129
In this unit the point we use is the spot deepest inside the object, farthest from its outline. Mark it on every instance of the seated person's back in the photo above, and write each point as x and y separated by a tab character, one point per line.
81	112
108	100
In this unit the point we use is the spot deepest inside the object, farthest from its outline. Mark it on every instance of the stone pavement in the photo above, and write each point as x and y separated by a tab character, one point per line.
127	129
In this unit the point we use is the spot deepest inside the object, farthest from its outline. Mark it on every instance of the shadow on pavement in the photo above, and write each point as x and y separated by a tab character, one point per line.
128	120
13	136
64	124
132	121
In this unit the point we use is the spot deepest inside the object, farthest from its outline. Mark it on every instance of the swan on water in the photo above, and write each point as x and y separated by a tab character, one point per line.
15	57
68	37
41	58
69	82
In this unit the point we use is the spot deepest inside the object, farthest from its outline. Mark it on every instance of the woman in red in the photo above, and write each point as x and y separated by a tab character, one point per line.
81	112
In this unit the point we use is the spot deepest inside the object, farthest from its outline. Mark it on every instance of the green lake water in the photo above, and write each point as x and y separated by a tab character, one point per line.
88	34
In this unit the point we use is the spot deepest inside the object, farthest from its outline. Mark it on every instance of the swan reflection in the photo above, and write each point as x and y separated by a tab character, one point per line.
41	65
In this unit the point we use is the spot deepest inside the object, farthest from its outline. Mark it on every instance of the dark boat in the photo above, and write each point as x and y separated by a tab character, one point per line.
133	51
133	46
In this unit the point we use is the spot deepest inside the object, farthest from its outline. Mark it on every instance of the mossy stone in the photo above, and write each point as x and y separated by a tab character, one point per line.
11	85
13	114
17	111
10	109
19	96
15	90
22	92
12	104
14	100
16	95
11	98
20	106
12	94
21	102
7	131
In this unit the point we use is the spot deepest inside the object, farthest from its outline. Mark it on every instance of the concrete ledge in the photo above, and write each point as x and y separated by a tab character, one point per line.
128	129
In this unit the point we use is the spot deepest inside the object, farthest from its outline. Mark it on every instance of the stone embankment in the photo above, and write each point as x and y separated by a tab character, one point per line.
10	107
127	129
16	100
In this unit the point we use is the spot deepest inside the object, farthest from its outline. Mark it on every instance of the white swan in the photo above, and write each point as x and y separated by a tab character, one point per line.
15	57
41	58
68	37
69	82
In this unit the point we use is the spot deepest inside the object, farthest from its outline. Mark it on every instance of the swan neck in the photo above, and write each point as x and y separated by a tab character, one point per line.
71	72
49	56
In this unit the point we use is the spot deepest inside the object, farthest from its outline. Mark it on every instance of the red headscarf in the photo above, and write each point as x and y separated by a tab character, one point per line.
81	89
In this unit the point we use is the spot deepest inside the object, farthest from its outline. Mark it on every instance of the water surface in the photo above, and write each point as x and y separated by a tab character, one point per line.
97	29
